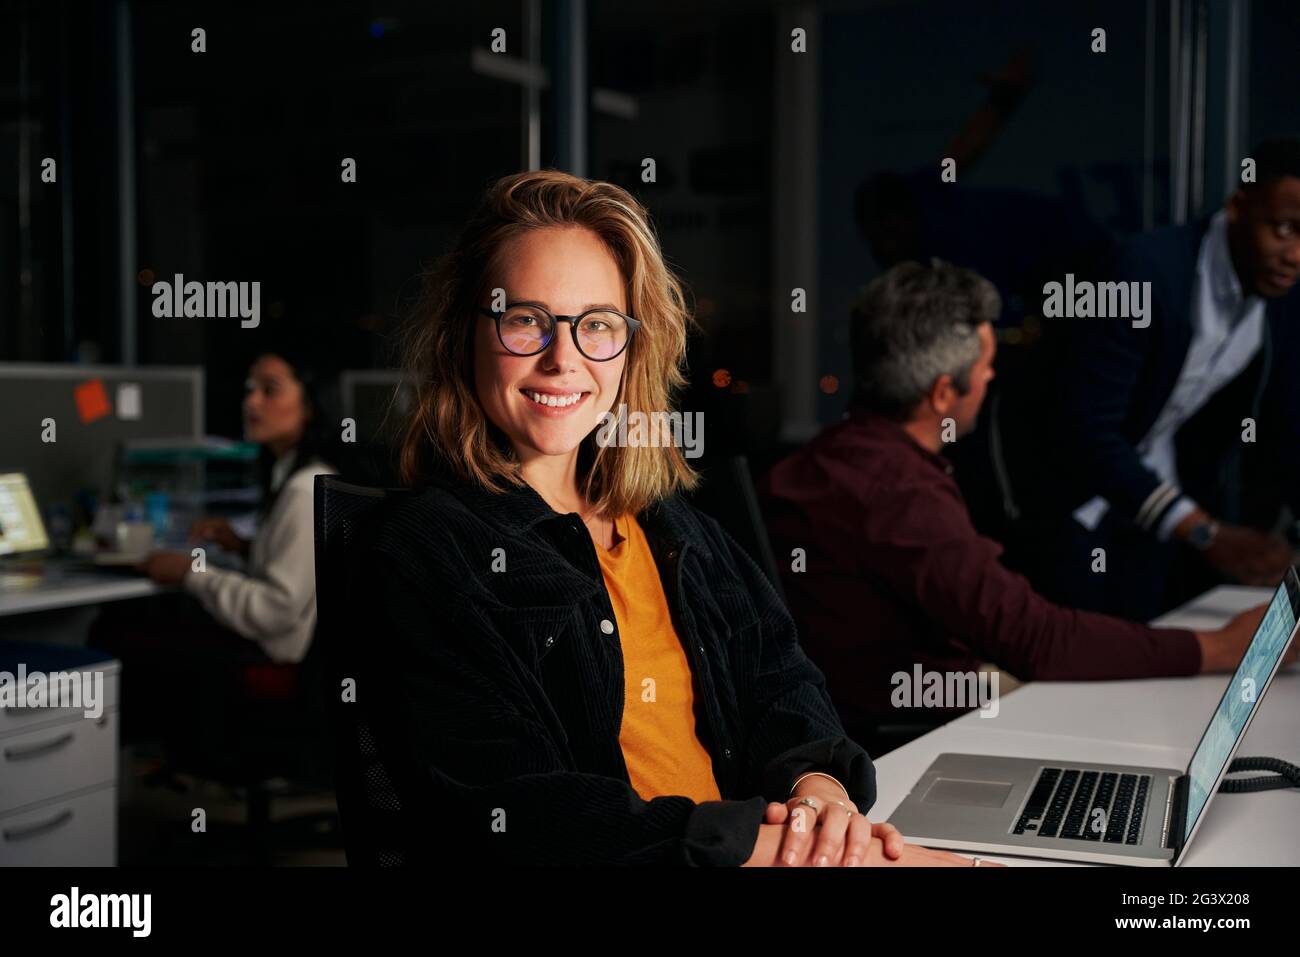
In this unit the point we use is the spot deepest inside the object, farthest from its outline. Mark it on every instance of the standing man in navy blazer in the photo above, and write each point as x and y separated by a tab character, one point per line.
1121	467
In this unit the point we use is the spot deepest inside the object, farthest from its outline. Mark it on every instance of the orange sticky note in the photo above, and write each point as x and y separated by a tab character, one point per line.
92	400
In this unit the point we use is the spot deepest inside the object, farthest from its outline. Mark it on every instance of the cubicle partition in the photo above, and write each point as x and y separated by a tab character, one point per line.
64	425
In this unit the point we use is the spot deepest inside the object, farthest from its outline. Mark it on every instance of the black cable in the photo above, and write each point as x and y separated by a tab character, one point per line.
1284	775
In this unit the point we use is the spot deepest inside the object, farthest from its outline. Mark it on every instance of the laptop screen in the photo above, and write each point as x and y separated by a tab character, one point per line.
21	528
1239	700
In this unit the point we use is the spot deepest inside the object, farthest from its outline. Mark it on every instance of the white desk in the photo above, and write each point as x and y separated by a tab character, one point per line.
1151	722
81	588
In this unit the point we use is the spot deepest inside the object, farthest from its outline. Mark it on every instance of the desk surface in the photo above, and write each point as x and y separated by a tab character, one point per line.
1149	722
70	589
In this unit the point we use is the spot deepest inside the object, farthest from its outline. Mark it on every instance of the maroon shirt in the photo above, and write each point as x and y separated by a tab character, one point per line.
897	576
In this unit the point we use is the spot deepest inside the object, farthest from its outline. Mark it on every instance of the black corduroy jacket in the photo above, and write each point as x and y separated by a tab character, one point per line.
499	664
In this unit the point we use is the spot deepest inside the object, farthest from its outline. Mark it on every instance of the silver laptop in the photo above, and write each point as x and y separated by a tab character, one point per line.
1100	813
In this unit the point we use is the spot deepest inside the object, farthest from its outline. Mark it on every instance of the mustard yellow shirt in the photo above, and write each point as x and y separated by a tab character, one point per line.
658	738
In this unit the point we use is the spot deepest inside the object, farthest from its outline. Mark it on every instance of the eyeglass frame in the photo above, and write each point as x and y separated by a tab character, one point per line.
633	324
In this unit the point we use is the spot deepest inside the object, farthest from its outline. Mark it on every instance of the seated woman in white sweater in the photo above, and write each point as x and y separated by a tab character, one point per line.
273	602
182	652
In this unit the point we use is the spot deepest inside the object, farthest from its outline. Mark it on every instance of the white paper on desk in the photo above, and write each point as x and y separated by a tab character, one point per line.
128	401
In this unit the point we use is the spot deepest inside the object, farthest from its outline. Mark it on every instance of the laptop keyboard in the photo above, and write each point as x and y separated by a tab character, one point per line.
1086	806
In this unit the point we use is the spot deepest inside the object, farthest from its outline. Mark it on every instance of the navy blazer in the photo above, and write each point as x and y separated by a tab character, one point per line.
1116	379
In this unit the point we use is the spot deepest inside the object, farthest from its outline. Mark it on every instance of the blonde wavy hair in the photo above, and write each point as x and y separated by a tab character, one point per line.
448	425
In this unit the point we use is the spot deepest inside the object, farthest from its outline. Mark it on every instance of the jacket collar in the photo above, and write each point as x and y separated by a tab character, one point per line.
1216	261
517	509
521	509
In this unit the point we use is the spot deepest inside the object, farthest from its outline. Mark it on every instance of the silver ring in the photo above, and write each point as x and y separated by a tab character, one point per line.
809	801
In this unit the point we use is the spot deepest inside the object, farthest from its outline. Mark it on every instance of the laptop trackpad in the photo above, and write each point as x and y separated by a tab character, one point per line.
969	793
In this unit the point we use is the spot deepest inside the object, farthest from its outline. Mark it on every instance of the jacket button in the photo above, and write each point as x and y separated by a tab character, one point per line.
726	753
550	640
672	554
607	626
701	649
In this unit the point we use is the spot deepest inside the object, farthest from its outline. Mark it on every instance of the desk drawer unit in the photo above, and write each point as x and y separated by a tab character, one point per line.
24	719
80	830
57	759
58	768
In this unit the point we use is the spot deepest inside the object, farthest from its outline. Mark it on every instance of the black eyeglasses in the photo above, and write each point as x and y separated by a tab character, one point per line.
528	328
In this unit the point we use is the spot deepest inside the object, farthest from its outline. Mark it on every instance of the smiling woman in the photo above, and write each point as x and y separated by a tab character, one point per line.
542	244
563	266
588	669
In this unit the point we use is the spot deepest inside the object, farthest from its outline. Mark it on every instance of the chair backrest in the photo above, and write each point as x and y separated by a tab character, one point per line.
727	495
370	806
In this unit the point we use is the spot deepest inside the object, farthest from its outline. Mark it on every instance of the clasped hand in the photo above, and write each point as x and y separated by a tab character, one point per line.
819	826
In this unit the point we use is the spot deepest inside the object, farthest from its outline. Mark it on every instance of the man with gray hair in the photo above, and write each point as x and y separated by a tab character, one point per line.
882	566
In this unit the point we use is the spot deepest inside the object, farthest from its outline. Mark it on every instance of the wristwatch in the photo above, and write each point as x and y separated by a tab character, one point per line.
1202	535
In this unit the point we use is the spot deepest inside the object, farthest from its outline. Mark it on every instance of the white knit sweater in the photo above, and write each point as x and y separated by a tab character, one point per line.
274	602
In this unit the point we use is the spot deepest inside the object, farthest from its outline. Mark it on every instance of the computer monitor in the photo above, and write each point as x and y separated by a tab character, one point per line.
21	528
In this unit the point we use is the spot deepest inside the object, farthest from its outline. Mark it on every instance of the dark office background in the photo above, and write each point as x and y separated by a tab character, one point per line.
226	164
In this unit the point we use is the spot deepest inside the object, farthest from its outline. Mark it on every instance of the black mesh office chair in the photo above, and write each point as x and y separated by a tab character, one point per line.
370	806
727	495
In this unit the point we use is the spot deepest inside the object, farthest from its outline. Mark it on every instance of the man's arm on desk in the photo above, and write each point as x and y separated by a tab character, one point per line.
920	542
